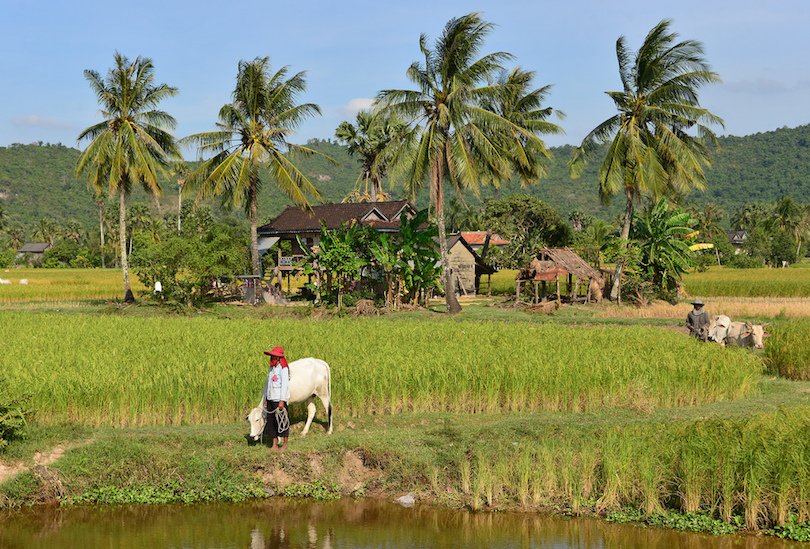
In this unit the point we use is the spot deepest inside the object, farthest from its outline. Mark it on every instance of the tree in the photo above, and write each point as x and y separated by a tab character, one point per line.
651	150
461	138
377	142
45	231
528	224
253	130
664	237
709	219
132	145
3	219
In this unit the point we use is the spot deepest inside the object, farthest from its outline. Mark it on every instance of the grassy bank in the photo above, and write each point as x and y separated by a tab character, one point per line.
117	370
63	285
741	463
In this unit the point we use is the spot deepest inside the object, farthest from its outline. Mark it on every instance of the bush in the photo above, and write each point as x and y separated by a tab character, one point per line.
13	413
745	261
6	258
787	350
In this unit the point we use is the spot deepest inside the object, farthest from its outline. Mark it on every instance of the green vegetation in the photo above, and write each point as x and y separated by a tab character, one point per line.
252	131
103	370
787	352
724	281
473	126
13	415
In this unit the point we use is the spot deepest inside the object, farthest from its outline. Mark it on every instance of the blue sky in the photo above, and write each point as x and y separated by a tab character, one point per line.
352	49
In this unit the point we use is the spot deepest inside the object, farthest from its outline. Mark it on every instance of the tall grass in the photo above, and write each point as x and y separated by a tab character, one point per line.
737	308
787	352
756	468
63	285
763	282
135	371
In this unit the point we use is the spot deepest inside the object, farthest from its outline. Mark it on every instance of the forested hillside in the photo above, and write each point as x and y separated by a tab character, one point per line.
37	181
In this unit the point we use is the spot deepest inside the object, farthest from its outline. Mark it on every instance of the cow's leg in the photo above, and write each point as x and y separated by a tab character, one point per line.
327	405
310	417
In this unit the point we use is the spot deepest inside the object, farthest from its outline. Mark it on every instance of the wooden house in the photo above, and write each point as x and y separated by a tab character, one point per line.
467	265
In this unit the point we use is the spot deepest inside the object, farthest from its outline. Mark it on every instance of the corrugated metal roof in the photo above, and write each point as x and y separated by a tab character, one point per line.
477	238
34	247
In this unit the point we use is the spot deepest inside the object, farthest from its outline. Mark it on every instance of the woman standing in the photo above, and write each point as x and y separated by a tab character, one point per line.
275	397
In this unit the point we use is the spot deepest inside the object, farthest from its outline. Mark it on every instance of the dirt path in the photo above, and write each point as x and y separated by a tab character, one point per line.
40	459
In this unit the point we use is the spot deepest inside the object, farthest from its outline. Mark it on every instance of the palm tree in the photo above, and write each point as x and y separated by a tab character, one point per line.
3	219
16	235
253	130
132	144
45	231
377	141
461	137
73	231
709	222
651	151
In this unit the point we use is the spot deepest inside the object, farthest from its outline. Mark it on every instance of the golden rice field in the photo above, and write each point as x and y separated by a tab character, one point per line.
63	285
764	282
738	308
120	371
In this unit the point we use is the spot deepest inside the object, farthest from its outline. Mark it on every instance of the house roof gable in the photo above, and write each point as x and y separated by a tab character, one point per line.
332	216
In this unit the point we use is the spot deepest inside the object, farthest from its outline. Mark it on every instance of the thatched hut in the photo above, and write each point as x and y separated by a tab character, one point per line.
552	264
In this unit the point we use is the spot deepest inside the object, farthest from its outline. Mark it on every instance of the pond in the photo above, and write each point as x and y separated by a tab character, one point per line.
345	524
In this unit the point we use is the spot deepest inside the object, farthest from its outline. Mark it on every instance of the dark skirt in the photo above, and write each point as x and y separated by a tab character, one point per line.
271	429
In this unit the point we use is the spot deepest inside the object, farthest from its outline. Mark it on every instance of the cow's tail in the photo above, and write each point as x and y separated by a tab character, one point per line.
329	411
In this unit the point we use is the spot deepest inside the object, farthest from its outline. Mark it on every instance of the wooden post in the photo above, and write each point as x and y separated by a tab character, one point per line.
576	290
570	284
558	290
536	296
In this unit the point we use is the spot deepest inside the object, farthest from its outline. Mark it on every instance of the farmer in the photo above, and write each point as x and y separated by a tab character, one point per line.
698	321
275	397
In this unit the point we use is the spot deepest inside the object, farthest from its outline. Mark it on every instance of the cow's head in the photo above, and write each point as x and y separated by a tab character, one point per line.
758	334
256	420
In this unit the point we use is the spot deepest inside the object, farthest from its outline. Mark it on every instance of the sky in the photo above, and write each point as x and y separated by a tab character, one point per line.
352	49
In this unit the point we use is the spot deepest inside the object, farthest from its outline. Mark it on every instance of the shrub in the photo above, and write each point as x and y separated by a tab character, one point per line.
13	412
787	351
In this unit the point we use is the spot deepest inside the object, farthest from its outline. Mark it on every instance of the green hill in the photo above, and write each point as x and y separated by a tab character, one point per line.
37	181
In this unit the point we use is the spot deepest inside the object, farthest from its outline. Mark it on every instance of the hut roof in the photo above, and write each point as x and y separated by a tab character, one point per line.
34	247
383	216
567	259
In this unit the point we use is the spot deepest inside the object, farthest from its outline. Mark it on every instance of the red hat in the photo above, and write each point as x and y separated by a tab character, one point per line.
276	351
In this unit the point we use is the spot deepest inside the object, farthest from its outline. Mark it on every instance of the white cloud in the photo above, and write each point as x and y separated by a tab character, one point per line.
353	106
36	121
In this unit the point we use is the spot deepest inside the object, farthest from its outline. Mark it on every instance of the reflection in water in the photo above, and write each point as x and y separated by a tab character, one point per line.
346	524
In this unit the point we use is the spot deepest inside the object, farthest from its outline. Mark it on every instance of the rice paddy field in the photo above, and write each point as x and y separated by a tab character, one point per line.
63	285
764	282
125	371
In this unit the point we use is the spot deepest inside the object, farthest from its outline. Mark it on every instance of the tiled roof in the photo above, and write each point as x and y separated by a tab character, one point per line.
381	215
477	238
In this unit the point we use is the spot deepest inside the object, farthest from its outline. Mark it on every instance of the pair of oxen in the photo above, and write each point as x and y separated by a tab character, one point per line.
742	334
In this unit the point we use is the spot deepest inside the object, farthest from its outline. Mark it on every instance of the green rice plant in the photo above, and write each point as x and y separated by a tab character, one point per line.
762	282
131	371
787	350
524	473
465	472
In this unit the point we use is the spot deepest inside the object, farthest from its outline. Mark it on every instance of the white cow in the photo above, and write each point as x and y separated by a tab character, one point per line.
745	334
4	281
719	330
309	377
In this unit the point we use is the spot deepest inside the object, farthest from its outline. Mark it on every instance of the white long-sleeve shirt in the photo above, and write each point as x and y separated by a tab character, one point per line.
277	386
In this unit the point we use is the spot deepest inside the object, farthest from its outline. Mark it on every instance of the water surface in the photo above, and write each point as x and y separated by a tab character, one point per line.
346	524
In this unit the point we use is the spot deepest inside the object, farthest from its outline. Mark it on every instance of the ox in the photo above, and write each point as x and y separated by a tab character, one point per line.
719	330
4	281
745	334
309	377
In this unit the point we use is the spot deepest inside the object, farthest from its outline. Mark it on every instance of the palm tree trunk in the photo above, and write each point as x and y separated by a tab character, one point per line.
122	237
179	205
100	205
615	291
254	235
437	177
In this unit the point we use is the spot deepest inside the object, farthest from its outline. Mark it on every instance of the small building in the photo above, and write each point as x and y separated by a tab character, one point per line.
34	250
467	265
737	239
477	239
551	264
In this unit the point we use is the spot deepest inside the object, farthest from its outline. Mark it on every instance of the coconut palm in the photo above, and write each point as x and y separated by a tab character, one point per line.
253	130
377	142
461	138
45	231
522	105
132	145
657	140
